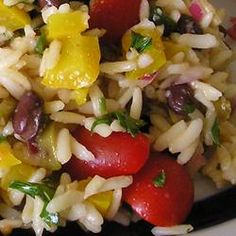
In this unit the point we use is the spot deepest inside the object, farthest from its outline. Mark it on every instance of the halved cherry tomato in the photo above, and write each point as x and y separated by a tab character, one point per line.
117	154
164	205
232	30
116	16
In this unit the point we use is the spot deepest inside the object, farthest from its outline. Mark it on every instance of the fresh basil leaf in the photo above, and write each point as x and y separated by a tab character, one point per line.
102	105
34	189
105	119
158	17
160	180
49	218
41	44
130	124
42	191
215	133
189	108
140	42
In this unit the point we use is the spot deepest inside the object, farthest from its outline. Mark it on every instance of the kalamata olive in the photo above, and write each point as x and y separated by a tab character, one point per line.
27	116
50	3
180	99
186	24
109	51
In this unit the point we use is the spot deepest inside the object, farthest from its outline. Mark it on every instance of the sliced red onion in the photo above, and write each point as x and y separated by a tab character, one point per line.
168	81
181	79
196	10
194	73
147	79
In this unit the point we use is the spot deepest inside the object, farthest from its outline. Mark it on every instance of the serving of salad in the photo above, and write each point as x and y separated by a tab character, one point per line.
108	110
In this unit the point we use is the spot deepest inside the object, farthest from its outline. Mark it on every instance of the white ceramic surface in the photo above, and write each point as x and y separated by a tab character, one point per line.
204	188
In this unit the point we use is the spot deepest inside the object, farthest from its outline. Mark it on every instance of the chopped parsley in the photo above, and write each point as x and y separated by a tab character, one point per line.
140	42
41	44
102	105
158	17
215	133
189	108
131	125
160	180
42	191
49	218
105	119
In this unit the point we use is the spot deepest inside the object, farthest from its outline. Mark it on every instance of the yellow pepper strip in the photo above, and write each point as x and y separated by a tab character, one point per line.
13	18
156	38
78	66
63	25
83	183
223	108
80	95
159	60
7	159
156	51
101	201
171	49
21	172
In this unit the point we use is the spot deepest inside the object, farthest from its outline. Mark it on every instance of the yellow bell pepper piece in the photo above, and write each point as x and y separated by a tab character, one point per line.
101	201
83	183
78	66
63	25
13	18
159	60
171	49
153	33
21	172
156	51
7	159
80	95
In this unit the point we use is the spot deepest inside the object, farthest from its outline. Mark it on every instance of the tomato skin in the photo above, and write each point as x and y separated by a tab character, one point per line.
116	16
163	206
117	154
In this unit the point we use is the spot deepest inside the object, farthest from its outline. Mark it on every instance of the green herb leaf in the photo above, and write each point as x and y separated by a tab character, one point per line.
160	180
189	108
41	44
49	218
106	119
160	18
215	133
132	126
140	42
34	189
2	138
42	191
102	105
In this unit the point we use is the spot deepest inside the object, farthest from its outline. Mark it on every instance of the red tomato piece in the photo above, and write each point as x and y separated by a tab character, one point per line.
232	30
116	16
117	154
163	206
